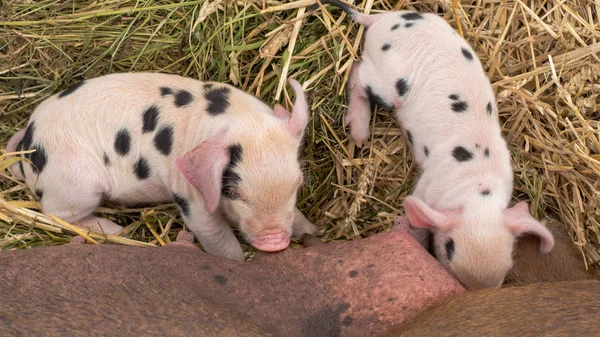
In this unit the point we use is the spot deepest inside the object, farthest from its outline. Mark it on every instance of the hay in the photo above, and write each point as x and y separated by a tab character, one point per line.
542	58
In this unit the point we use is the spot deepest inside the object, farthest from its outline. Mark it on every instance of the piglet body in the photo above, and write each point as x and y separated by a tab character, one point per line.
217	152
416	65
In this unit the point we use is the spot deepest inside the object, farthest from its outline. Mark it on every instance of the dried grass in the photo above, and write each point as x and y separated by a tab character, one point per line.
542	57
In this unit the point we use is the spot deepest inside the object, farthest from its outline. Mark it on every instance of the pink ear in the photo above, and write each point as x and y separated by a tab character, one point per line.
519	221
281	112
203	167
299	119
422	216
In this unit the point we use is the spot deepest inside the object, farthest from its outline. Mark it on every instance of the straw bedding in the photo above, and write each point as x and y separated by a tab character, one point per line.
543	58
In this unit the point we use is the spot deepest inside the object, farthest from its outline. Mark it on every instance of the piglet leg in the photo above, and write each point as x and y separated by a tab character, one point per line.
302	226
215	235
358	115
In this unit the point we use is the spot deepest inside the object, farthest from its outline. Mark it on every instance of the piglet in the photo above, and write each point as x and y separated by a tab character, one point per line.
351	288
220	154
548	309
417	66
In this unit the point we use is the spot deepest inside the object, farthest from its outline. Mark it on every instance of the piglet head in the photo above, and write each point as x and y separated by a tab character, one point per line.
476	244
252	173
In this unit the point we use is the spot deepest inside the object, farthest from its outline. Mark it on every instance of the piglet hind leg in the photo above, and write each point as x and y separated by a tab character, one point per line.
77	209
358	115
215	235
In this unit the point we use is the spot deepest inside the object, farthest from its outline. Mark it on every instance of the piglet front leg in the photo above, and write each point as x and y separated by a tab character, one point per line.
214	234
358	115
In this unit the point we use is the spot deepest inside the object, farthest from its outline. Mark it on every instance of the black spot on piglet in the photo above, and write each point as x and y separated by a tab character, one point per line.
375	99
409	136
402	86
353	273
106	159
459	106
164	91
141	169
183	204
39	193
347	321
150	116
218	101
38	158
449	249
396	26
71	89
485	193
461	154
488	107
412	16
426	151
386	47
183	98
122	142
408	25
28	137
467	54
164	140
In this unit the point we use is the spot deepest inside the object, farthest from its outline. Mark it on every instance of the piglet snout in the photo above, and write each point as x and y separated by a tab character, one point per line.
271	241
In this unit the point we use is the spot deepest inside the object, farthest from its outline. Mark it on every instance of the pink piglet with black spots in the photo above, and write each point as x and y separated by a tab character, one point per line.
221	154
418	67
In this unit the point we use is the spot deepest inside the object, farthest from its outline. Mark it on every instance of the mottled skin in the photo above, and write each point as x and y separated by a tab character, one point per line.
358	288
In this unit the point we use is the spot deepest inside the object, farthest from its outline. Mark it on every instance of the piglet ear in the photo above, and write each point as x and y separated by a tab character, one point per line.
422	216
203	167
518	220
281	112
297	123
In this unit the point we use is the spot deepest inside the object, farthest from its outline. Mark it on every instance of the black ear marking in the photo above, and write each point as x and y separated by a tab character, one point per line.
231	180
38	158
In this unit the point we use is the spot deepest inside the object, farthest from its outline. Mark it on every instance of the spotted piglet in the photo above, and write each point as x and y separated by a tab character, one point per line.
418	67
219	153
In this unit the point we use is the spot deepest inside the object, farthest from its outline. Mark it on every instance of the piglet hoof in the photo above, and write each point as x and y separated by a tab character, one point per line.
185	239
309	240
401	224
77	240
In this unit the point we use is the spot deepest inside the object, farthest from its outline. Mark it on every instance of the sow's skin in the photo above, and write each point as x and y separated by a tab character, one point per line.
358	288
219	153
417	66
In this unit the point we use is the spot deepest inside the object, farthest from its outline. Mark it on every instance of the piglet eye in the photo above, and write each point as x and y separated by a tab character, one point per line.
449	249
